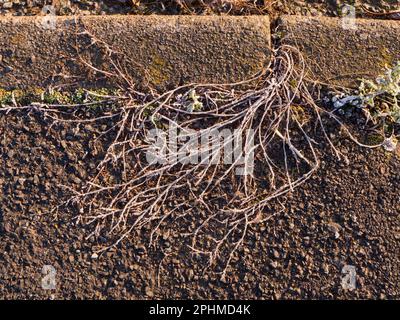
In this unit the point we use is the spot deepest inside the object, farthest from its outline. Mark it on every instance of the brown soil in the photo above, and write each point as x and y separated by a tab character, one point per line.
296	255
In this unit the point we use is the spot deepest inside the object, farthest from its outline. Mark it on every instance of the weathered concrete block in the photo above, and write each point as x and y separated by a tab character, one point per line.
339	55
161	51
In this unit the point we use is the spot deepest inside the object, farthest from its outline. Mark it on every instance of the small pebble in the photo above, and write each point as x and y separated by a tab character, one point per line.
94	256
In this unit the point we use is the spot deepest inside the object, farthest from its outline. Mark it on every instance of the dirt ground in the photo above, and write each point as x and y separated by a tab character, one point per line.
344	215
304	7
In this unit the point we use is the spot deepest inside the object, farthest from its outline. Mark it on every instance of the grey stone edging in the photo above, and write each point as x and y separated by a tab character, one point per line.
158	50
166	51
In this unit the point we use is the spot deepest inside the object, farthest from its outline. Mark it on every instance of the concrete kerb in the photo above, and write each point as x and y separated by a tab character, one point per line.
339	53
163	51
166	51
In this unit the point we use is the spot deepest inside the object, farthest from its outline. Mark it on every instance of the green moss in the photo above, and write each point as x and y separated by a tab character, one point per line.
5	97
37	95
156	71
374	139
387	58
299	114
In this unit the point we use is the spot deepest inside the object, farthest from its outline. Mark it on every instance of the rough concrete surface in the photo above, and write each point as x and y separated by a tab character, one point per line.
336	53
151	50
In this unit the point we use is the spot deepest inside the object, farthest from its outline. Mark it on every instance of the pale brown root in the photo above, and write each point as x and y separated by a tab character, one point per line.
153	194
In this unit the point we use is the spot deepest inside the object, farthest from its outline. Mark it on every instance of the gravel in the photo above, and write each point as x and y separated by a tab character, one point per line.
344	215
303	7
64	7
